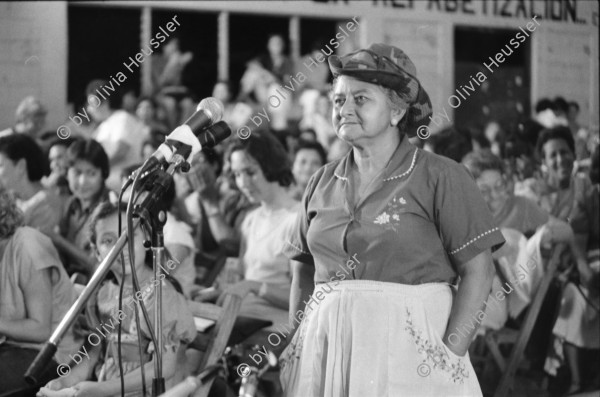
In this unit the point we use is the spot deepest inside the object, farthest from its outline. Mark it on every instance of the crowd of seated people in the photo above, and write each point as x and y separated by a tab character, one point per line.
238	201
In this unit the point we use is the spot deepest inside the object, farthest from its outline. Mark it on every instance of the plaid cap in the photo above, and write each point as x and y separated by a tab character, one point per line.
390	67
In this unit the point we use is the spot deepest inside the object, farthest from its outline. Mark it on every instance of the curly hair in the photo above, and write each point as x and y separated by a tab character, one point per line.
478	162
11	216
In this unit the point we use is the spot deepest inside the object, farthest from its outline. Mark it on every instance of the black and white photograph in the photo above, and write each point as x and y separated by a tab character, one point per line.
300	198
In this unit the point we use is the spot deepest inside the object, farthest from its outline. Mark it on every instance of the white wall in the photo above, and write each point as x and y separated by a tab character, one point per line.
564	58
33	58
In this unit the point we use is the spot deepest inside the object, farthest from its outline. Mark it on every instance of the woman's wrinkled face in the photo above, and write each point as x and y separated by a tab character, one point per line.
106	238
360	110
249	177
492	186
306	163
558	159
85	180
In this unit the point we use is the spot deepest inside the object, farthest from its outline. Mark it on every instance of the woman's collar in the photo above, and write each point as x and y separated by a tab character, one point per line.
400	165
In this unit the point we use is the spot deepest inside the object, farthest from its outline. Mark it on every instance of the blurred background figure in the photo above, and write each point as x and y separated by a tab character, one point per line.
59	165
167	72
147	111
22	167
310	156
120	134
30	118
275	61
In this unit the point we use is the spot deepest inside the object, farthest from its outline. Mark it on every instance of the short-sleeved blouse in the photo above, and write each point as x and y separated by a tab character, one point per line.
414	224
177	325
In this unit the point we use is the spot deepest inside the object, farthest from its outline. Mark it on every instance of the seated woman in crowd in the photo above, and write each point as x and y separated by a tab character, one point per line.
178	324
517	216
566	197
578	324
22	166
59	165
263	173
87	172
309	157
35	294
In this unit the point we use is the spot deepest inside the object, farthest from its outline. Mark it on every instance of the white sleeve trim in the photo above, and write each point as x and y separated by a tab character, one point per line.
298	249
473	240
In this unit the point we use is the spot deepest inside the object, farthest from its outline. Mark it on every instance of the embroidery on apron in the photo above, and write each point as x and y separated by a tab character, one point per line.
436	355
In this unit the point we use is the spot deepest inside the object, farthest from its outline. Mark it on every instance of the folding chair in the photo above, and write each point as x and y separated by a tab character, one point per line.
521	337
214	341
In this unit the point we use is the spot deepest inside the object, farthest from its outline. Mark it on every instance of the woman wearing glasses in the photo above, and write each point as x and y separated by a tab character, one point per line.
383	236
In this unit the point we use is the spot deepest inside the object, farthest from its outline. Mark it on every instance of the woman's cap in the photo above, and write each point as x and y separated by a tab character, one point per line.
389	67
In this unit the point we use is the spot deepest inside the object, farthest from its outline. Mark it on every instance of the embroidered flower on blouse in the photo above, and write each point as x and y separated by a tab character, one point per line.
382	219
436	355
392	211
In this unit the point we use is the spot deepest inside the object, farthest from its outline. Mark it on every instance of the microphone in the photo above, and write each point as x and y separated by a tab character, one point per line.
183	138
208	138
214	134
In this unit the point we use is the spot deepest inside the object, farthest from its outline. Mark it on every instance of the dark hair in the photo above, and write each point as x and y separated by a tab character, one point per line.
21	146
316	146
561	104
452	143
270	155
558	132
484	160
90	151
544	104
213	158
106	209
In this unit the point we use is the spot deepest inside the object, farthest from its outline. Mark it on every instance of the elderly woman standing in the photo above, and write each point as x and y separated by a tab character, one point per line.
389	321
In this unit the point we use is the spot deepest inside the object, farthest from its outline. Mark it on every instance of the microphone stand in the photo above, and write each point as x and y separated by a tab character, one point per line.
149	209
157	217
45	355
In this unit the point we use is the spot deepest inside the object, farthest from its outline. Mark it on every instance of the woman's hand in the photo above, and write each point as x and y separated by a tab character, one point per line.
88	389
54	385
241	289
